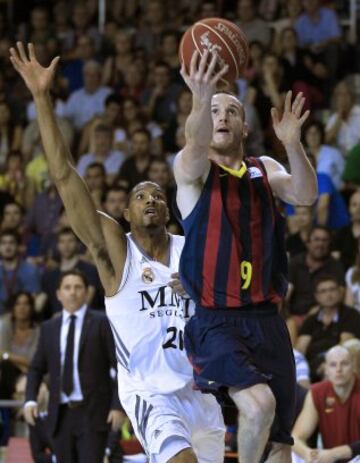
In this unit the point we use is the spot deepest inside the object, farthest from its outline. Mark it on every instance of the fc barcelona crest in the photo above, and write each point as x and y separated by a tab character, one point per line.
148	275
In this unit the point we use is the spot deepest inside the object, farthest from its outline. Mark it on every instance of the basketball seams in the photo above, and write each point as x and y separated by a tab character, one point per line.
210	28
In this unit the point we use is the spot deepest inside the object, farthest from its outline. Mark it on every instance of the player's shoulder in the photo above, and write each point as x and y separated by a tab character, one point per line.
270	164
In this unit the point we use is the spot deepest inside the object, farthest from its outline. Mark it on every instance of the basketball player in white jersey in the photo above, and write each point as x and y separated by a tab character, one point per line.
174	423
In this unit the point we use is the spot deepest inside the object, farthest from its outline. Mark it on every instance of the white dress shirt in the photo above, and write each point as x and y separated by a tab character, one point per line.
65	324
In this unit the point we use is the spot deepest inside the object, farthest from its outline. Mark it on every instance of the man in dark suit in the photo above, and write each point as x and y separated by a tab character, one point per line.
77	351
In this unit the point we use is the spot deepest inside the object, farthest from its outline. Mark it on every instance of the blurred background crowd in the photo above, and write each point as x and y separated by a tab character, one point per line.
122	106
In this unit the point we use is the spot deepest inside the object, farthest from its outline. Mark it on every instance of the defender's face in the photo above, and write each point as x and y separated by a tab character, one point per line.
147	206
229	122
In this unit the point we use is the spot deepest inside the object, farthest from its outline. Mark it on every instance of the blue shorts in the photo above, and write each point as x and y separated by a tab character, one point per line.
240	348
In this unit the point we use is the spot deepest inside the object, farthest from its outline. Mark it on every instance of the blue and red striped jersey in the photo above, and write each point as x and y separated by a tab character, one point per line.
234	253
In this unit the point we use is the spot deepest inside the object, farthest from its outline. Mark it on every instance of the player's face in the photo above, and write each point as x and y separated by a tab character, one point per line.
339	368
147	207
229	124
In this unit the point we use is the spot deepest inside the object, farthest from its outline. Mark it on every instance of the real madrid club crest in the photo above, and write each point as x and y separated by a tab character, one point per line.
147	275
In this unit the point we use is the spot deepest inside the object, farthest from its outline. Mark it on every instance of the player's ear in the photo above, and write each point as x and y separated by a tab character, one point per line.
126	214
245	130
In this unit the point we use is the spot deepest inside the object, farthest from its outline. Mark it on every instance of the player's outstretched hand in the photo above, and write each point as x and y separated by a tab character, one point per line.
288	127
37	78
202	78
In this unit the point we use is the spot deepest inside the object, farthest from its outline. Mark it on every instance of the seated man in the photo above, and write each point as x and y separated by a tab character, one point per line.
334	406
332	324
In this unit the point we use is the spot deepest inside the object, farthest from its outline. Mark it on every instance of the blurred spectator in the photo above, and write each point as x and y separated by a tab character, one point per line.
62	27
81	19
333	323
114	202
13	218
351	175
116	65
95	178
296	242
302	369
85	103
134	82
169	53
293	9
102	152
18	340
68	248
41	225
73	69
251	24
178	119
329	160
352	279
346	238
16	182
304	268
10	133
318	29
304	71
332	405
154	23
353	346
342	128
160	99
135	168
254	64
16	273
39	29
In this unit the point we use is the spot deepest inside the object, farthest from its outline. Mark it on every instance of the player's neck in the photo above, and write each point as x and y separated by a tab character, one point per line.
153	244
231	160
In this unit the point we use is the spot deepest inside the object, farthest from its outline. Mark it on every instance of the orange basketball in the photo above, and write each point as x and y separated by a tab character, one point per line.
220	36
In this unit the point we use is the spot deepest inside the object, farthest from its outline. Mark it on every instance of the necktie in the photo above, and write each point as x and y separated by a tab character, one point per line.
67	376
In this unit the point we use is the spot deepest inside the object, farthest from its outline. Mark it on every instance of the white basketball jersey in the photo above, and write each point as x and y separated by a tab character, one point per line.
148	322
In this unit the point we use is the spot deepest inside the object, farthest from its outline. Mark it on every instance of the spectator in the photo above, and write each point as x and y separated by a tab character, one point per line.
134	82
16	182
334	406
251	24
169	53
81	19
41	225
114	203
342	128
77	351
346	238
318	29
85	103
183	108
62	28
10	133
149	34
116	65
13	218
16	273
254	64
329	160
40	27
293	9
68	248
135	168
306	267
333	323
18	339
304	70
160	99
102	152
296	242
302	369
95	178
352	279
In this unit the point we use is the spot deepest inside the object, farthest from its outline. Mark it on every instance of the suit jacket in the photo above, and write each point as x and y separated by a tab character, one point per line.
96	358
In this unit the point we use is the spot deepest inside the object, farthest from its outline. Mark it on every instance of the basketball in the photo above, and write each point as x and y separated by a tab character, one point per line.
217	35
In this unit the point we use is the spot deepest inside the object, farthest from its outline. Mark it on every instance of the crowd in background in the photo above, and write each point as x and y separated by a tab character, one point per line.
121	104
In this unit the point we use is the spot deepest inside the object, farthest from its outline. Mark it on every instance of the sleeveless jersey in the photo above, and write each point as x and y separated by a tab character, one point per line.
148	320
234	254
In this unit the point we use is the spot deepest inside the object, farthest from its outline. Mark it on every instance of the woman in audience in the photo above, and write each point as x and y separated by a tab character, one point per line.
352	278
115	66
18	340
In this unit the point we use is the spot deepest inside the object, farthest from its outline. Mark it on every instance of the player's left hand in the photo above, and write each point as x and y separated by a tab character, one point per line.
288	127
116	418
176	286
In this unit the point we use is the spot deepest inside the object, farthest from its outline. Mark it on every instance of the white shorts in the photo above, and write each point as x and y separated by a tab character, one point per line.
165	424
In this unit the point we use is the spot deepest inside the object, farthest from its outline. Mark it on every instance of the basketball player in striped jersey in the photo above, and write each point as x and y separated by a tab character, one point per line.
173	422
233	264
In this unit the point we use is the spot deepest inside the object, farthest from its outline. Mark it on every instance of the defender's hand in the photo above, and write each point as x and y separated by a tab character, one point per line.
288	129
37	78
201	78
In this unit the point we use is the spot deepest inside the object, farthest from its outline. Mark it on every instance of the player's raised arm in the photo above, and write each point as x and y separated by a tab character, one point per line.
73	191
192	162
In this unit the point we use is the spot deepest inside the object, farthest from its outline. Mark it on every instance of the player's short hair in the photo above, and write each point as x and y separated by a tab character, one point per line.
73	272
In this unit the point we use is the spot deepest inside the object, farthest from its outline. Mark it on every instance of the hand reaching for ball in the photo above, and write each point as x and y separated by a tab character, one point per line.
202	78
